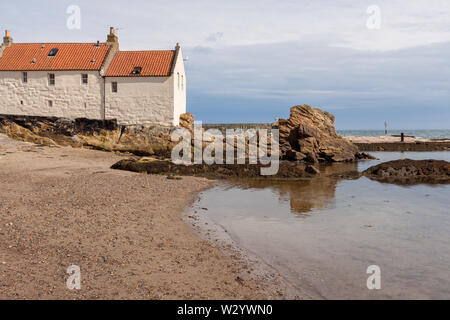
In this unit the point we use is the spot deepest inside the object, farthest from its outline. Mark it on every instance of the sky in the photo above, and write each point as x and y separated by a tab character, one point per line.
250	61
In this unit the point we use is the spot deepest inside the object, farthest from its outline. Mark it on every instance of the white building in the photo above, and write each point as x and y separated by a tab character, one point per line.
92	80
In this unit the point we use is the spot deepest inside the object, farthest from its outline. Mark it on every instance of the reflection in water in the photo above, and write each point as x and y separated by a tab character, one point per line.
309	194
351	225
339	168
303	195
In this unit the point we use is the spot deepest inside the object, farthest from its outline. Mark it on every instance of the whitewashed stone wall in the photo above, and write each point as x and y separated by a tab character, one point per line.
179	90
140	100
71	98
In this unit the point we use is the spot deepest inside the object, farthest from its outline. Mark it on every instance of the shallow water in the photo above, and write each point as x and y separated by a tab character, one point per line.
322	234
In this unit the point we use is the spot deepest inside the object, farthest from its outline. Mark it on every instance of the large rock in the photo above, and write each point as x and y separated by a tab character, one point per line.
309	135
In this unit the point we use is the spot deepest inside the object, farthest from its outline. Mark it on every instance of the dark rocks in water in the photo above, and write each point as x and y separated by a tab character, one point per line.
312	170
309	135
287	170
409	171
364	156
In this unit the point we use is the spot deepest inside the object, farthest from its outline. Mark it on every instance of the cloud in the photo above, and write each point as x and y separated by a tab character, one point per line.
270	78
253	59
214	37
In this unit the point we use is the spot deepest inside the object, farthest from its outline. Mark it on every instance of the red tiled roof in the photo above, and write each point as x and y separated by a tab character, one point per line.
156	63
70	56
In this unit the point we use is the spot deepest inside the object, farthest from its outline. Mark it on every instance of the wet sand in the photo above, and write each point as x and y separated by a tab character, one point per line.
62	206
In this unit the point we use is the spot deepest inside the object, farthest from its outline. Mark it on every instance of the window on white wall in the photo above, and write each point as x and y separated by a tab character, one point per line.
25	77
51	79
114	86
182	82
178	75
84	79
50	103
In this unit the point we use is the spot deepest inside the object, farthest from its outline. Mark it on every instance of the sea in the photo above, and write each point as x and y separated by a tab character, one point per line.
427	134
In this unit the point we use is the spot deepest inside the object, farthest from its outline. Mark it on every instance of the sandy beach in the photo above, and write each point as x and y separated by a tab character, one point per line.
62	206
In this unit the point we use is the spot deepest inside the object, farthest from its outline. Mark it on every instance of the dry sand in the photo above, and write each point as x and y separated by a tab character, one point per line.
62	206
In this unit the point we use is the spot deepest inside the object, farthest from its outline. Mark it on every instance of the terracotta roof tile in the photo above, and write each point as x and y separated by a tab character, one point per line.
70	56
156	63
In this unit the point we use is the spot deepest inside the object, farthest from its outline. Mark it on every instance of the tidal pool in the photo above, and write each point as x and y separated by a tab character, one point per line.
323	234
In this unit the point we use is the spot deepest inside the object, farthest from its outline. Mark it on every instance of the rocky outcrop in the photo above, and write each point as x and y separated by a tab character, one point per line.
309	135
411	171
96	134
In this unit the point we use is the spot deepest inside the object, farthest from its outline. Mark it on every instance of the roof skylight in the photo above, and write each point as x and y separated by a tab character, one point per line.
136	70
53	52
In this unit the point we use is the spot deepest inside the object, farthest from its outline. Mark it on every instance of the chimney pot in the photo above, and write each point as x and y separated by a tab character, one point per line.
112	39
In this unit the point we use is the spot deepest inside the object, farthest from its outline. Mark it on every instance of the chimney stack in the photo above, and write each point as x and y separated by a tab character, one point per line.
7	42
112	39
7	39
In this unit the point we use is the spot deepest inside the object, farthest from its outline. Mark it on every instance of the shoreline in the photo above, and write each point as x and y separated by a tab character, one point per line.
277	287
64	206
